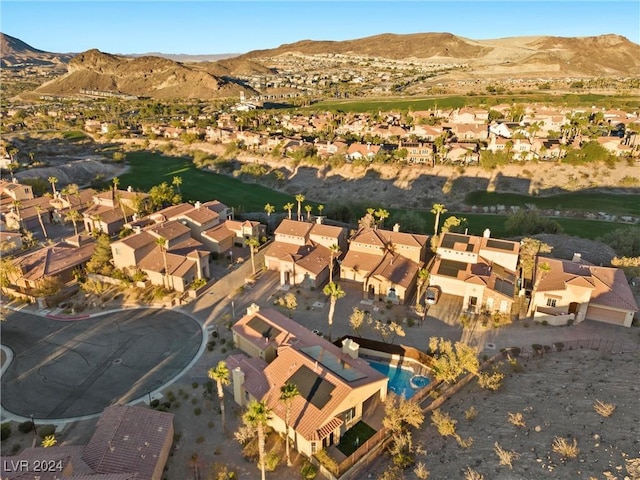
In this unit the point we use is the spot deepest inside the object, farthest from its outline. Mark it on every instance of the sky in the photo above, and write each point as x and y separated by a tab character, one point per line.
217	27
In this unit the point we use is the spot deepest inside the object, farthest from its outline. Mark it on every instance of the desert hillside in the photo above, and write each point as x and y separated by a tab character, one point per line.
604	55
153	77
16	52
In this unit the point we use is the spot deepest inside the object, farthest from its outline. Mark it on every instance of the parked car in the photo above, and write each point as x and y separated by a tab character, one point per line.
432	295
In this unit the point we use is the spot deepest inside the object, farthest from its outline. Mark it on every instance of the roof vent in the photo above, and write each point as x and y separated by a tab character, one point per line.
577	257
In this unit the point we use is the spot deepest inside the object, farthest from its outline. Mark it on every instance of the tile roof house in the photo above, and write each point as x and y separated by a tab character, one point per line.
15	190
578	290
25	213
358	151
335	385
385	262
129	443
301	252
181	261
482	270
112	209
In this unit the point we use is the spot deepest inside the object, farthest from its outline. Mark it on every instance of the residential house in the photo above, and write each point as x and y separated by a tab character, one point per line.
359	151
572	291
426	133
57	261
467	115
457	153
326	148
547	149
129	442
10	242
385	262
79	202
174	265
470	133
301	252
222	237
418	152
27	214
335	386
16	191
615	146
481	270
112	209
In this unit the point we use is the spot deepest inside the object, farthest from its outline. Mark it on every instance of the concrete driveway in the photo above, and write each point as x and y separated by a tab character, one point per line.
71	369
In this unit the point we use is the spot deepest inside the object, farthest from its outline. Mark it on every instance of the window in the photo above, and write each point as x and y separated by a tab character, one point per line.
350	414
314	448
551	302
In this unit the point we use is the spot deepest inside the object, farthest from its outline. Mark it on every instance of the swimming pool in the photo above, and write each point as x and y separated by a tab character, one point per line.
402	381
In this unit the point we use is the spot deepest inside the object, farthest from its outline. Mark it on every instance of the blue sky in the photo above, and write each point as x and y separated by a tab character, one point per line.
208	27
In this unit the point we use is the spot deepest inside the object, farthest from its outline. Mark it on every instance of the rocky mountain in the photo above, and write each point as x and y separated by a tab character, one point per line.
148	76
604	55
15	52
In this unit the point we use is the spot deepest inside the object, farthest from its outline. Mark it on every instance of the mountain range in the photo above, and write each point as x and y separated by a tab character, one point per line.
160	76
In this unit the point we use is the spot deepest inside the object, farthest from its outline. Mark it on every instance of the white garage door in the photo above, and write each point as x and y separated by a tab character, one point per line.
601	314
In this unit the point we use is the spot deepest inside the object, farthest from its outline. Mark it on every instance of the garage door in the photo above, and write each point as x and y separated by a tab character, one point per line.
601	314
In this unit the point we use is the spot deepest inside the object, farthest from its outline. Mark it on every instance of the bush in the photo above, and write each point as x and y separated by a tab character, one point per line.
25	427
197	411
46	430
154	403
308	471
195	384
271	461
5	431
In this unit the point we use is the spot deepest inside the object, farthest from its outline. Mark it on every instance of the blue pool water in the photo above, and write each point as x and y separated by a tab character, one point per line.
401	381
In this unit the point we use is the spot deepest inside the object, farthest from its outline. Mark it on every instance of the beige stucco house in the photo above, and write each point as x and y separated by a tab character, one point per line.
572	291
335	385
481	270
385	262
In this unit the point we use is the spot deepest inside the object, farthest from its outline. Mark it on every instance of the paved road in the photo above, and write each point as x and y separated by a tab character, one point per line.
72	369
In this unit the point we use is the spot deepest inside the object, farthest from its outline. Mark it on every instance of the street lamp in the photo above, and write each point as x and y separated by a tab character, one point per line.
35	430
233	310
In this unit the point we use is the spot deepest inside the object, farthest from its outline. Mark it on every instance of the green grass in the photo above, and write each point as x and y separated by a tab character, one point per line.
74	135
578	227
585	201
149	169
457	101
355	437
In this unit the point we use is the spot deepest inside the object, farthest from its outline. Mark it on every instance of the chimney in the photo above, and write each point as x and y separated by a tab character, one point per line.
487	233
253	309
198	205
577	258
349	347
396	227
319	220
237	377
129	189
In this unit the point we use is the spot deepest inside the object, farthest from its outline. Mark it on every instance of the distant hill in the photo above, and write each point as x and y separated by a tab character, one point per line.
148	76
184	57
15	52
603	55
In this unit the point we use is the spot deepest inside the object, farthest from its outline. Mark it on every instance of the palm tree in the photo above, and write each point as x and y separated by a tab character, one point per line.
299	199
381	213
269	209
39	212
288	392
53	181
8	269
334	252
253	243
73	216
177	181
320	209
423	279
257	416
288	207
334	292
308	208
17	204
220	374
122	207
162	243
116	182
437	210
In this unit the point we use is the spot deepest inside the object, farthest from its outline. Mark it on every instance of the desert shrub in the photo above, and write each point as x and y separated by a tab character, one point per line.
271	461
200	439
604	409
25	427
326	461
565	448
197	411
308	471
516	366
471	413
46	431
506	457
5	431
194	384
154	403
491	381
471	474
516	419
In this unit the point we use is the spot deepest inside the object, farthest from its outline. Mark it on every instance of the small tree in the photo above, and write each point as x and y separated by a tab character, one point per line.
253	243
289	207
334	292
220	374
53	181
74	217
357	319
437	209
288	392
256	417
299	198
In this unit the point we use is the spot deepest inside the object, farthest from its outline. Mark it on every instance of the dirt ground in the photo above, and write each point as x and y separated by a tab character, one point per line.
555	395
